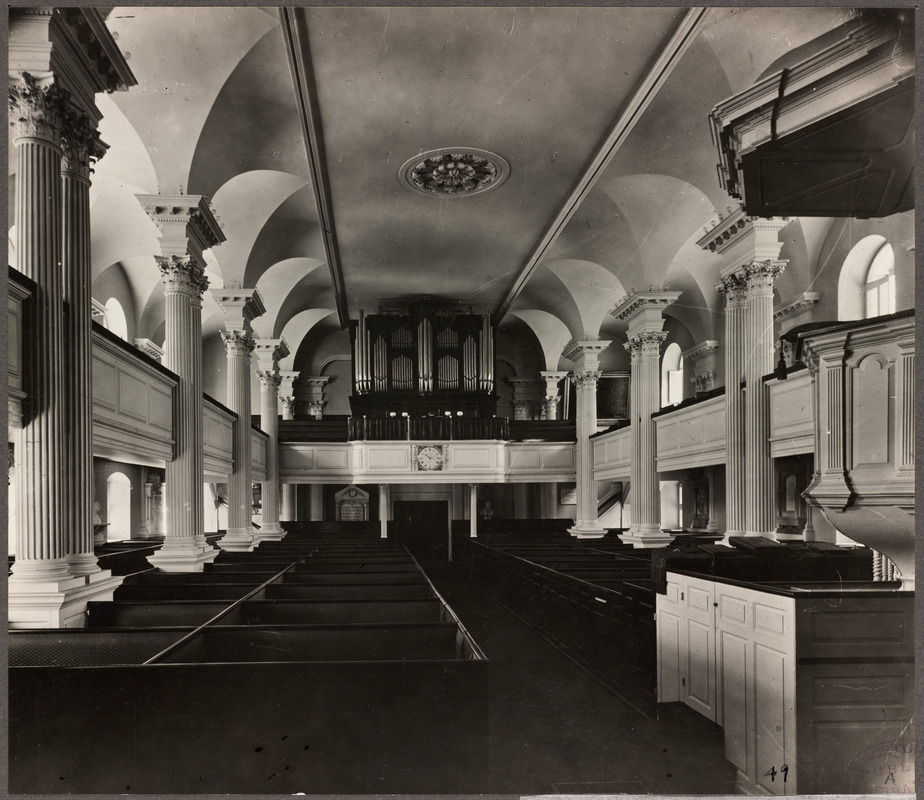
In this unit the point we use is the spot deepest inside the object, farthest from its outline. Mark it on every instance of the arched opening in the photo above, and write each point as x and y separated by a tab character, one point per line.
115	318
880	283
118	507
671	376
866	285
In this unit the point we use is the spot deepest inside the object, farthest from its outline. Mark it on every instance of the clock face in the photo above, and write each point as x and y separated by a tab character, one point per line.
429	457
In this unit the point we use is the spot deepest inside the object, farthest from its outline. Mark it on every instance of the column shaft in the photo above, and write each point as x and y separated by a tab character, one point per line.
473	510
759	517
240	496
735	359
287	490
41	545
269	422
75	260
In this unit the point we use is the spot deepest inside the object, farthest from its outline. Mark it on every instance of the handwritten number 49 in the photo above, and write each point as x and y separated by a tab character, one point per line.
784	771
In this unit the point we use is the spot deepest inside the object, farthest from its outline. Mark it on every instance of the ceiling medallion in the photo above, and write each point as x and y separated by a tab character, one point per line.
454	172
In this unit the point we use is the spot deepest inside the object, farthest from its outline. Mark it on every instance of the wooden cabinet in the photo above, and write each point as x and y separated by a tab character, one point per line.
804	683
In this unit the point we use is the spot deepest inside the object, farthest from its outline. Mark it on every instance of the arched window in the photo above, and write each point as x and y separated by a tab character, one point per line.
880	283
115	318
119	507
671	376
866	285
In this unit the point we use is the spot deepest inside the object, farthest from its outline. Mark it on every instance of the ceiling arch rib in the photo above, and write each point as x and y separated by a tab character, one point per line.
551	332
244	205
595	291
276	286
297	330
174	95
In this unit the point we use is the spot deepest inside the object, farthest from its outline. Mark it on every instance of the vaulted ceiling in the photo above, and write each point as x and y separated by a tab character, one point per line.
297	124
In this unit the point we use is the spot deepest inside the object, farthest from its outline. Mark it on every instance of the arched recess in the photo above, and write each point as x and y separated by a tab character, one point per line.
275	286
118	507
595	291
851	285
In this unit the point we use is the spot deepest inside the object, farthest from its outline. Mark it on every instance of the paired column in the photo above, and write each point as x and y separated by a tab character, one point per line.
552	395
187	227
240	307
54	131
41	568
644	314
586	358
268	352
287	401
750	249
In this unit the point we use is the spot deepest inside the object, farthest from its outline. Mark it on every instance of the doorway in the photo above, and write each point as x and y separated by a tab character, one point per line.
422	525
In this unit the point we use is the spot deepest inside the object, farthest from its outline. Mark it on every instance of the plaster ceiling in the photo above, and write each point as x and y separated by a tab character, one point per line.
222	109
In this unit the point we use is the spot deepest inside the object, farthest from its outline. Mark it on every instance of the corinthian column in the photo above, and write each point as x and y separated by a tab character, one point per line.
749	248
287	400
81	146
759	517
644	314
187	227
268	352
38	112
734	290
586	358
240	307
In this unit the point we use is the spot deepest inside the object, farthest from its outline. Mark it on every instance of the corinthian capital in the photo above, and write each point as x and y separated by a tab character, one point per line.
38	111
80	144
733	288
646	344
182	276
238	342
587	380
761	275
269	379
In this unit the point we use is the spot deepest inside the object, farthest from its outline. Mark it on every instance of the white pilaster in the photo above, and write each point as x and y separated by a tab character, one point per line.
384	509
473	510
703	358
552	395
287	402
586	358
316	401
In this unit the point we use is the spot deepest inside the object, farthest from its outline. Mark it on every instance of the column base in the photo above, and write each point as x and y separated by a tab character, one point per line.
270	532
583	529
57	604
183	555
646	537
237	540
789	536
83	564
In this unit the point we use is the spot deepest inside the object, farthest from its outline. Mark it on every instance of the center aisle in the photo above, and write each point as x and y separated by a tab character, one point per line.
555	729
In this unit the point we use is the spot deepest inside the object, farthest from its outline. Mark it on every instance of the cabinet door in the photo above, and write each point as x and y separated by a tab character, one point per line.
669	644
698	646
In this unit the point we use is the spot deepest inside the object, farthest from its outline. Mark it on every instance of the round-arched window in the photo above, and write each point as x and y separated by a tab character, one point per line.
671	376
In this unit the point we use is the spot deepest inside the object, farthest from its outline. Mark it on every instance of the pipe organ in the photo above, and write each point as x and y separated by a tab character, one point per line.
422	362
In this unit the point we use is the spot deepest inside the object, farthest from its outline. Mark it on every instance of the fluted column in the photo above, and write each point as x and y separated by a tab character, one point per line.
240	306
185	548
473	510
37	114
81	146
268	353
58	60
734	290
586	358
643	312
287	401
759	505
384	508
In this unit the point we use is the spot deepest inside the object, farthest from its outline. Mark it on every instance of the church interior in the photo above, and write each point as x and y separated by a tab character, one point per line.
461	400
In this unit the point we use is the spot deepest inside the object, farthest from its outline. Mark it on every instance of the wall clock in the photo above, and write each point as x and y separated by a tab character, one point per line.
429	457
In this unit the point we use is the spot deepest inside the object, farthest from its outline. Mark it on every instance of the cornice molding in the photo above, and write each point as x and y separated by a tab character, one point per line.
240	306
648	300
800	304
702	349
